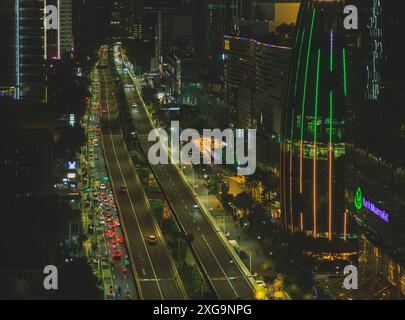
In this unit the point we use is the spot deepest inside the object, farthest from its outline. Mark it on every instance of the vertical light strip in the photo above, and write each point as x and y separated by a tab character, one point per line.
45	34
344	72
345	226
299	63
291	170
331	51
301	13
17	44
59	55
304	98
283	175
302	222
45	51
330	162
291	192
316	142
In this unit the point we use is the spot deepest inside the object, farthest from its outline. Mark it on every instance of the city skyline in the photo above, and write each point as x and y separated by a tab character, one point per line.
294	190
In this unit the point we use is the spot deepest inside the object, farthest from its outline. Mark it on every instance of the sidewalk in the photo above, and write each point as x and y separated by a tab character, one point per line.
249	248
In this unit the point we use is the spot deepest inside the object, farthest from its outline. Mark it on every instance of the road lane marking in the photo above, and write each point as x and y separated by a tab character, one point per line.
130	199
223	271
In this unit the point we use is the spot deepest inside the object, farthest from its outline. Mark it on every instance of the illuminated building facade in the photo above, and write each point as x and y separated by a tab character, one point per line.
59	36
314	125
66	37
21	63
255	81
375	196
224	17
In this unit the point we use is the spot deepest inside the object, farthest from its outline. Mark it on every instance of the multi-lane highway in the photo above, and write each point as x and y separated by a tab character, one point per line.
228	276
118	280
155	272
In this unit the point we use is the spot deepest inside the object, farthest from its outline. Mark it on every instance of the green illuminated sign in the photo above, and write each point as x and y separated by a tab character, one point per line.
358	199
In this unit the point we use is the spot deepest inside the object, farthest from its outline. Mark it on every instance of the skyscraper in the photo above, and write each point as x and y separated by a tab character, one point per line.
313	136
375	178
65	16
224	19
22	57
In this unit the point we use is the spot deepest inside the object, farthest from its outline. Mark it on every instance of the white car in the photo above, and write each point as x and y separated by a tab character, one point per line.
152	239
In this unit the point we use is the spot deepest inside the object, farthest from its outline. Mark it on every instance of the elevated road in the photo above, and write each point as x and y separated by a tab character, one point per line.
155	273
213	251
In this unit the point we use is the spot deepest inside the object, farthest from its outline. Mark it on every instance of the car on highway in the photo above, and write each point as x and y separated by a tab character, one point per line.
123	190
111	226
261	284
126	261
134	105
110	234
152	239
104	110
108	220
116	255
129	85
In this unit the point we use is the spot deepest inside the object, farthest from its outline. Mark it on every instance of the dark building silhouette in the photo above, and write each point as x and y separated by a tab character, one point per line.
375	177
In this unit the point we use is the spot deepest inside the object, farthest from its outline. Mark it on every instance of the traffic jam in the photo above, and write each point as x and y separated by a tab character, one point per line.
115	262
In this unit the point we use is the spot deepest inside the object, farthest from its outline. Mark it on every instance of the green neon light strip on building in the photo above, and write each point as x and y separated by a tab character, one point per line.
317	98
306	74
330	117
299	24
344	72
331	60
299	63
331	54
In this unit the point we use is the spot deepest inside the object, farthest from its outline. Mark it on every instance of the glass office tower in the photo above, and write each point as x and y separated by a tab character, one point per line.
313	144
22	55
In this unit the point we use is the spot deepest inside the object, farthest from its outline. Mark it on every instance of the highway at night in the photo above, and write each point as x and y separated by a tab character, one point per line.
156	276
224	270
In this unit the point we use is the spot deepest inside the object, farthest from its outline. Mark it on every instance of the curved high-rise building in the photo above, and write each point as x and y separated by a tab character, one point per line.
313	136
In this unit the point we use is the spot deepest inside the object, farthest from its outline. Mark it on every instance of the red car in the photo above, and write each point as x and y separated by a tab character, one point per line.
111	225
110	234
116	253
